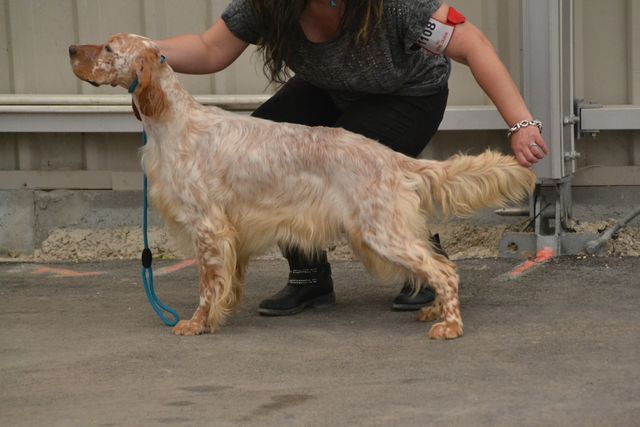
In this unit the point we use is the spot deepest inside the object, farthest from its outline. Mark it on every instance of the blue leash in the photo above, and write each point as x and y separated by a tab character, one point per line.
146	270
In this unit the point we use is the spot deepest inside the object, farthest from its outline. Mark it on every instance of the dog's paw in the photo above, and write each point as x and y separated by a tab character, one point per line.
189	328
445	331
427	314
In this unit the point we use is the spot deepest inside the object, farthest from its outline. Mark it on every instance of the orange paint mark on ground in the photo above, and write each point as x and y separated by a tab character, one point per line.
543	255
62	272
173	268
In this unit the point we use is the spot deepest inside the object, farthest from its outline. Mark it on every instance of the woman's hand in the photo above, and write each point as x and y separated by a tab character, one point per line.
528	146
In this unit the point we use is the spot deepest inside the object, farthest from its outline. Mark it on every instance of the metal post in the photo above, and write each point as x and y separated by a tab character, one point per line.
547	49
548	88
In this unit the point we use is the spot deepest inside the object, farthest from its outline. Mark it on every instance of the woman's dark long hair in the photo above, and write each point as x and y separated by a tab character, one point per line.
280	30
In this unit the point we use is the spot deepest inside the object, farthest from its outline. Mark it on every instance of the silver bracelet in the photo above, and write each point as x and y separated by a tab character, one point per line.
523	124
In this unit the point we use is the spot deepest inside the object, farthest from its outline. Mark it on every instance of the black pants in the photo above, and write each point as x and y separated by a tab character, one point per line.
402	123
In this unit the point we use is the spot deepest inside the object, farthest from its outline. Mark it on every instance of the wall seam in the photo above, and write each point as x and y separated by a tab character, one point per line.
633	70
10	60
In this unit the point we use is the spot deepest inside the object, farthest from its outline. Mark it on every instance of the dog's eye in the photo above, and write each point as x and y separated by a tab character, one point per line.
108	49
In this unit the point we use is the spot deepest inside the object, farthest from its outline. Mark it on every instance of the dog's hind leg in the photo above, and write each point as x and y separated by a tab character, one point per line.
400	247
218	274
440	273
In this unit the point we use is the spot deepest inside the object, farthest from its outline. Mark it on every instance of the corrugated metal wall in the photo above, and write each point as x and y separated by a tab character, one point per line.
35	34
608	72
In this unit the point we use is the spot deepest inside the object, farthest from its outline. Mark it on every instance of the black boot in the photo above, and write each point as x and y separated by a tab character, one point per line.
406	300
309	284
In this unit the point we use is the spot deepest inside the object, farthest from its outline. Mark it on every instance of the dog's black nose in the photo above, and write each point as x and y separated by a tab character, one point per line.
73	50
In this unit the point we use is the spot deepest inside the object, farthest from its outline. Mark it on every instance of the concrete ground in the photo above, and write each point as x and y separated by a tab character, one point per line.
559	346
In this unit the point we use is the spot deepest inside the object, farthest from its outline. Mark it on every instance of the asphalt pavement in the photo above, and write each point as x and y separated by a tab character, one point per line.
556	346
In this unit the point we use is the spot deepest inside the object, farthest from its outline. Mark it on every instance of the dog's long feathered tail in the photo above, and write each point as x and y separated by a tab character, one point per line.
464	184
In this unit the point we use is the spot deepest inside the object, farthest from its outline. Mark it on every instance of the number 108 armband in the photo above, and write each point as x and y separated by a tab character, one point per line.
437	34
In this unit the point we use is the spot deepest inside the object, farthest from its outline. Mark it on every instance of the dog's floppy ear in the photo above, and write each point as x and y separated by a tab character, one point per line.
151	99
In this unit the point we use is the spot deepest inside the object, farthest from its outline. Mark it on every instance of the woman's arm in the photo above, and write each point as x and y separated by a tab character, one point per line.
470	47
205	53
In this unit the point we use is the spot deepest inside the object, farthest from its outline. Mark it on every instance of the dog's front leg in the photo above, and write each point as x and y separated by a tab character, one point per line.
216	255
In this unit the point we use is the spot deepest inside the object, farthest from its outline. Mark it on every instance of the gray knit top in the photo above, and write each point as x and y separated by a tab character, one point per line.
389	63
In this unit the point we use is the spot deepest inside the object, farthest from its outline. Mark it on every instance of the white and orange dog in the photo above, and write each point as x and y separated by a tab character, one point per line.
237	184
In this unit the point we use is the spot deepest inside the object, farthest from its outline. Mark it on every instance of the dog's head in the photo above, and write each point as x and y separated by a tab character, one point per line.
122	60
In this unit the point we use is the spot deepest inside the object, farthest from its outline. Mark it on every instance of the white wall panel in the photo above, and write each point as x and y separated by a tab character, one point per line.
604	28
40	33
6	66
463	90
